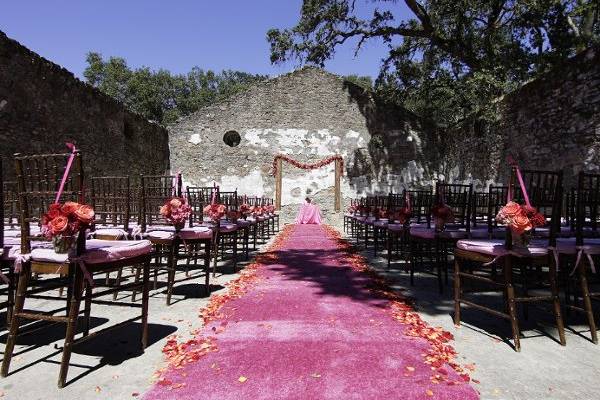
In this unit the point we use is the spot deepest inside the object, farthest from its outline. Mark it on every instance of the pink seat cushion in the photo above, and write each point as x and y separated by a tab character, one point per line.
567	246
196	232
382	223
224	227
245	223
114	232
98	251
495	247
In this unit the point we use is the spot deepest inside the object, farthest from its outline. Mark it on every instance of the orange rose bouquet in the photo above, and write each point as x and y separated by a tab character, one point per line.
176	210
521	219
402	215
63	222
215	211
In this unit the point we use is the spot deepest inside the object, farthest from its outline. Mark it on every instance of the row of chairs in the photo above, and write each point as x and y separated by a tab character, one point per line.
560	256
128	233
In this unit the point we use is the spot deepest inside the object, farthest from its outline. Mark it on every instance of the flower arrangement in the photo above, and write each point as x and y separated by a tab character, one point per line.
402	215
233	215
62	223
257	211
521	219
442	215
269	209
300	165
215	211
353	209
176	210
245	210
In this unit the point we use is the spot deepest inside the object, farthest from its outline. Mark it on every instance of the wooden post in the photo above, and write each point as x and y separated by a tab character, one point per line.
278	175
338	194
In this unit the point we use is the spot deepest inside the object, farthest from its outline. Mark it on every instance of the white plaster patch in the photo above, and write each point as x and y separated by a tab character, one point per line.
253	137
316	180
251	184
195	138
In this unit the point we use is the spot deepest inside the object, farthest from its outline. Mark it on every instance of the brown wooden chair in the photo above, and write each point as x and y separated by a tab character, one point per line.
577	254
473	260
38	177
430	250
155	191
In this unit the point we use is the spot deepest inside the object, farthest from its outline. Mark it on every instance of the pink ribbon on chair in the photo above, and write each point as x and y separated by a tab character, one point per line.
580	252
86	274
71	147
514	164
19	260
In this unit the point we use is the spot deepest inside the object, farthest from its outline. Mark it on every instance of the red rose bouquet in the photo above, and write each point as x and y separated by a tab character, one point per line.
176	210
62	223
352	209
257	211
215	211
245	210
270	209
233	215
402	215
442	215
521	219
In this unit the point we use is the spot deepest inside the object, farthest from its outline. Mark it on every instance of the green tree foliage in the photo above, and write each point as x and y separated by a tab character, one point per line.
159	95
450	58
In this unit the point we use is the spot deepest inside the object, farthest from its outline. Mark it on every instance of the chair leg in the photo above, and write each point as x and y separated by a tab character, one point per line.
235	240
71	326
556	304
118	282
24	276
136	279
171	272
587	302
457	291
145	301
207	247
87	309
512	309
390	237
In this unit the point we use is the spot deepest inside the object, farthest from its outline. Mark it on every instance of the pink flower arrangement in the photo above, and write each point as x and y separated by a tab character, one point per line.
67	219
269	209
442	213
352	209
233	215
257	211
402	215
215	211
176	210
245	210
520	218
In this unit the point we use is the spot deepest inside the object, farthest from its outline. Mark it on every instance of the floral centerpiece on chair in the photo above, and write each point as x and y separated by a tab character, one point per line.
176	210
402	215
245	210
442	215
62	224
215	211
257	211
269	209
520	219
233	215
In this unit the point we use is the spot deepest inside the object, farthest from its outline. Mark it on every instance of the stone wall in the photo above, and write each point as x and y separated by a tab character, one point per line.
309	114
550	123
42	106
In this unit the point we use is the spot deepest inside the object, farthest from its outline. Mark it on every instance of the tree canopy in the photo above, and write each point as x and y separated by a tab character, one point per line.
449	58
159	95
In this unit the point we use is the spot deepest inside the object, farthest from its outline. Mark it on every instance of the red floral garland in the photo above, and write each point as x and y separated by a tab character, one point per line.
300	165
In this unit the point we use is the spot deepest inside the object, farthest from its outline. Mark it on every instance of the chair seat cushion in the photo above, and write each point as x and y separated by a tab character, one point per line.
224	227
382	223
429	233
98	251
496	248
196	232
111	232
567	246
244	223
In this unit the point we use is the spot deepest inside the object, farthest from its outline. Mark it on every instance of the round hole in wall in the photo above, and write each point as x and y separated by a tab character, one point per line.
232	138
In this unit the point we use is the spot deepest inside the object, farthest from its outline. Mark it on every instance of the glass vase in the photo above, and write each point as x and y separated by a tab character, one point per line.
64	244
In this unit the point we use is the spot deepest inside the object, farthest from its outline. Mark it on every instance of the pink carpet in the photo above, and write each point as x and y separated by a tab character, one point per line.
311	328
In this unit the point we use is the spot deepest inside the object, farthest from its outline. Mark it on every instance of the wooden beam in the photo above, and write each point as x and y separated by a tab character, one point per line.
278	176
338	194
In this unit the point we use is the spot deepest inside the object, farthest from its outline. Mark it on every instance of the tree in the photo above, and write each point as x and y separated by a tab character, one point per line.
451	57
159	95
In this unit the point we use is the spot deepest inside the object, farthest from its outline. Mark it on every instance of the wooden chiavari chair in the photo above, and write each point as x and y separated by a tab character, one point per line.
430	250
474	259
155	191
38	178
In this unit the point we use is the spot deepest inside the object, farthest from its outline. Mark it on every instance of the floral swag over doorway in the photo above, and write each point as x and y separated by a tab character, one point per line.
301	165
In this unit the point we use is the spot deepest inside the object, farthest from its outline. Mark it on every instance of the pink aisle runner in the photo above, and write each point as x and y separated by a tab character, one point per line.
313	326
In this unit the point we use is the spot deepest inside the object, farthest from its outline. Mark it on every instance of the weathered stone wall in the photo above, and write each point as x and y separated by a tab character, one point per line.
42	106
550	123
309	114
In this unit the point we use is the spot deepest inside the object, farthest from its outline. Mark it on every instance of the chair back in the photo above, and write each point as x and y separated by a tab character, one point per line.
10	204
479	208
459	198
111	198
155	191
199	197
545	193
38	182
421	201
496	199
2	208
229	199
587	205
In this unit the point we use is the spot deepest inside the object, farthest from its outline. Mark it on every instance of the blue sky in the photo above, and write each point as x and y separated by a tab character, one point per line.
175	35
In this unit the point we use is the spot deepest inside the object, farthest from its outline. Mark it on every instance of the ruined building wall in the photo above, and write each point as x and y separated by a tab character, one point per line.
309	114
42	106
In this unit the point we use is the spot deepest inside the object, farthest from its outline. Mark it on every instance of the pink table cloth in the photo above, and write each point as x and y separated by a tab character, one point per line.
309	214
